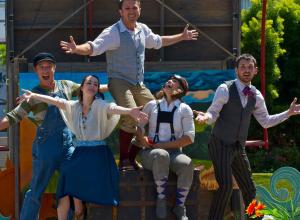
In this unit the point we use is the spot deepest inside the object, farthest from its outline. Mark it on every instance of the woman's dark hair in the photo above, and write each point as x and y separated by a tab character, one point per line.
80	95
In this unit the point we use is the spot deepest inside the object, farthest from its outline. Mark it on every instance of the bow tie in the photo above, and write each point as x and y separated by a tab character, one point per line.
247	91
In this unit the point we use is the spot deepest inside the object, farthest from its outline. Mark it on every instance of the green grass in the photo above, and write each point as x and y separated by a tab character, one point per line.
262	179
205	163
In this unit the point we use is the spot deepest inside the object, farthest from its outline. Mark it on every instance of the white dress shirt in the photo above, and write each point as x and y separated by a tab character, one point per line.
109	39
183	120
260	111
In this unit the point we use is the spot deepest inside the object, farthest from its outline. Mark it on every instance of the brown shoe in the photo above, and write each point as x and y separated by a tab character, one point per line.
136	165
125	165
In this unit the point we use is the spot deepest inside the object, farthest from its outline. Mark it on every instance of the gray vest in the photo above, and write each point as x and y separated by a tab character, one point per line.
234	120
127	62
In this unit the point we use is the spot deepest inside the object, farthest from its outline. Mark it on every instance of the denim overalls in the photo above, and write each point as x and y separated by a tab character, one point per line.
50	148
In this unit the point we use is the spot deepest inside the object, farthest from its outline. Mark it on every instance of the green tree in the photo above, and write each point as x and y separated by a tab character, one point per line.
251	41
282	65
289	63
2	54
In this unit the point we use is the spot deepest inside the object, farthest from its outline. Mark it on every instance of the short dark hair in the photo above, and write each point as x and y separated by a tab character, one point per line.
120	4
245	56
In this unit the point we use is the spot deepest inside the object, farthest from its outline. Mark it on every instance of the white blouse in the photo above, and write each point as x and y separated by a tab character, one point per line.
97	125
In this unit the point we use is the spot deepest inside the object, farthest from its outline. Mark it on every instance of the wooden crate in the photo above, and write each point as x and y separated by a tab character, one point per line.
138	198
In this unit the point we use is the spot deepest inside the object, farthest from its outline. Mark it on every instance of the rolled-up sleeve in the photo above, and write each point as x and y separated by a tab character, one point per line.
109	39
188	122
18	113
152	41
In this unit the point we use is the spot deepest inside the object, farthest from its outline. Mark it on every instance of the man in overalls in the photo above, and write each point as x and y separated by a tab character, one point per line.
53	140
124	43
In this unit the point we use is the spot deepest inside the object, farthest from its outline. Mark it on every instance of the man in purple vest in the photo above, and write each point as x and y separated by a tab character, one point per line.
124	43
233	104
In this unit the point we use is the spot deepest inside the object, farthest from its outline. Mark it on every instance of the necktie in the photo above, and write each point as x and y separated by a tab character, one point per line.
247	91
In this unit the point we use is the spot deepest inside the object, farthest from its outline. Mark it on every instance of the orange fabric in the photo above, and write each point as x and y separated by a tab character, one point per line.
7	192
27	135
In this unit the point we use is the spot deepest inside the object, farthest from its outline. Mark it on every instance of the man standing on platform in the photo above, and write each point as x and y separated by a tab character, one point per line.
233	104
124	43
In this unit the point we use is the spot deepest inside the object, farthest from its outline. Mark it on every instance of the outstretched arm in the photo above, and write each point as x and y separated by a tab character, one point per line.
294	108
135	113
261	113
185	35
200	117
220	99
43	98
72	48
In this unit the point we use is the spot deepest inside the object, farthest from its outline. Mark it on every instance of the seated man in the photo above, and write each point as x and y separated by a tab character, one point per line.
171	127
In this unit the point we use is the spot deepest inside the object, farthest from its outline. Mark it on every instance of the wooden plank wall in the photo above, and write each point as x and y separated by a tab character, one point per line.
217	18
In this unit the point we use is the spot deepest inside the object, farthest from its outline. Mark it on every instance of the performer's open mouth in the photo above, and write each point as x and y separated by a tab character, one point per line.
168	86
46	77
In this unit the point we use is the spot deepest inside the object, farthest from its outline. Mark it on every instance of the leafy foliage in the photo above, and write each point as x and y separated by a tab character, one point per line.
2	54
282	63
251	41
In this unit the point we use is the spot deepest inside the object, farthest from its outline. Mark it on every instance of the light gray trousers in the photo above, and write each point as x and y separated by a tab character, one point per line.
160	161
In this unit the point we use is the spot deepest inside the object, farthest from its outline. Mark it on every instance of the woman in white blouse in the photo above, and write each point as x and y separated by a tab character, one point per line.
91	174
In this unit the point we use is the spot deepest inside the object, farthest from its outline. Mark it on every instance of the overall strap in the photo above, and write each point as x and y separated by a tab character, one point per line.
156	138
164	117
172	125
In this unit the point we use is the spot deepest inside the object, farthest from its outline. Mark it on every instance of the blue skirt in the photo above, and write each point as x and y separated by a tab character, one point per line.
91	175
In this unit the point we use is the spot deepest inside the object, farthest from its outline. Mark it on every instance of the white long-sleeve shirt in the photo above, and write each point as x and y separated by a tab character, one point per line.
260	111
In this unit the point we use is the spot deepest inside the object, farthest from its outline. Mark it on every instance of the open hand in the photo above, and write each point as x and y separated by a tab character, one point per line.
68	47
189	34
294	108
139	116
201	117
24	97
